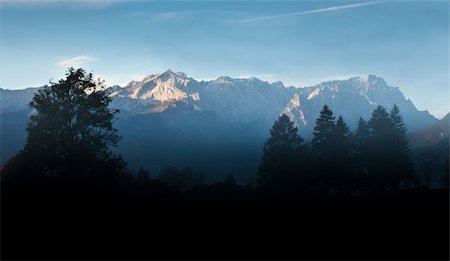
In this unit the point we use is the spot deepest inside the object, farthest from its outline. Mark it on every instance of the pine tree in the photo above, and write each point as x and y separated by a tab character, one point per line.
400	130
361	146
281	153
403	167
342	134
380	124
342	148
322	144
362	131
381	153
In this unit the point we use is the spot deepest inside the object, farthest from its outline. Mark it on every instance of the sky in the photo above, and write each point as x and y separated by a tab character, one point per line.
300	43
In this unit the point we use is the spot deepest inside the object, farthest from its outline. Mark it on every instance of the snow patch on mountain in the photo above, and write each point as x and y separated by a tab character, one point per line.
314	93
294	112
250	99
195	96
167	86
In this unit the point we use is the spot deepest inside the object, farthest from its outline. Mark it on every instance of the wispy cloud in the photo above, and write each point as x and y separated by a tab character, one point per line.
322	10
163	16
76	61
173	15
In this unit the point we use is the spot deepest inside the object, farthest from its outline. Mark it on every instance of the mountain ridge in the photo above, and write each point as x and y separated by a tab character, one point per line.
361	78
170	118
247	99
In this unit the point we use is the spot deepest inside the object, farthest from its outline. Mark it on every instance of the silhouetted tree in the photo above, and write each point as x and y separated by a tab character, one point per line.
70	133
429	163
322	145
361	145
379	154
332	148
388	153
399	129
403	165
342	147
282	153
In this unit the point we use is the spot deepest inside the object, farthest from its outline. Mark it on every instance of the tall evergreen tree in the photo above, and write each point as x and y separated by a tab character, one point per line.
380	136
361	138
380	124
281	153
403	167
342	148
400	130
322	145
381	153
362	131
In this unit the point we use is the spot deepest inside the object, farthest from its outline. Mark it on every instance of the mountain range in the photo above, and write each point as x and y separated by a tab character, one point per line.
170	118
243	100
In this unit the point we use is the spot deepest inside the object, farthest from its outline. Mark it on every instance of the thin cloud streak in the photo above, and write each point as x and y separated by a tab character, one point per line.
76	61
322	10
173	15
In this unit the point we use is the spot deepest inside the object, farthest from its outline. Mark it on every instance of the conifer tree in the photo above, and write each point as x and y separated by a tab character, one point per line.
323	140
403	166
388	158
362	132
342	148
381	153
400	130
281	153
361	138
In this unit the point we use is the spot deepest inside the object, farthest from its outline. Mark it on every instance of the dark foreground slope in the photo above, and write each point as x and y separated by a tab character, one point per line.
74	223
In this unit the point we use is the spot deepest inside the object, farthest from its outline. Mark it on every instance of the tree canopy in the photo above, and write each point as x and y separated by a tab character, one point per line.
324	134
388	159
376	155
282	152
70	131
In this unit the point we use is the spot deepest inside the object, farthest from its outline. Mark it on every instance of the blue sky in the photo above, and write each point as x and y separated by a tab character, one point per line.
298	42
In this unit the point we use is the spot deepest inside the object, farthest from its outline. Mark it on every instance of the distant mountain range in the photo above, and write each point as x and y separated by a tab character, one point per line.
169	118
243	100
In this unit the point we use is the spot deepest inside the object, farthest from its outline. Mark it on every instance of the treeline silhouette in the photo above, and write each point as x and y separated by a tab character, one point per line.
66	195
71	134
374	159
